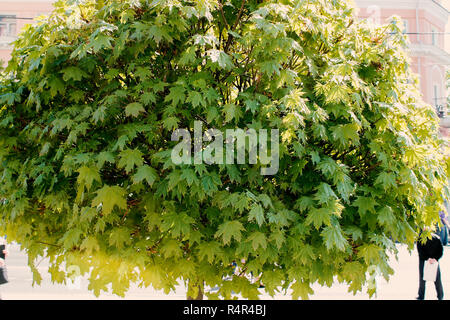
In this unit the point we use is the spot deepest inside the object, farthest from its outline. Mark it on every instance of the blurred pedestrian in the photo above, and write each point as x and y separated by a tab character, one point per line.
443	230
3	255
430	251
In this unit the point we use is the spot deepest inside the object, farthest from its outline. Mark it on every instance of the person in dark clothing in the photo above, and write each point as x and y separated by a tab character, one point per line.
442	230
3	255
431	251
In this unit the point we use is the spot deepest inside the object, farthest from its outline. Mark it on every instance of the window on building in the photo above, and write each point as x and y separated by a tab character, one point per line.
405	26
439	107
433	37
7	26
435	88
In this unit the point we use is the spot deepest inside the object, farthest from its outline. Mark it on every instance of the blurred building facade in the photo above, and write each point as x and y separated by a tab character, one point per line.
424	21
14	15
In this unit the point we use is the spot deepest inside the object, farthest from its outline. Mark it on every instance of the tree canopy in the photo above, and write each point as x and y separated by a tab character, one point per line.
93	92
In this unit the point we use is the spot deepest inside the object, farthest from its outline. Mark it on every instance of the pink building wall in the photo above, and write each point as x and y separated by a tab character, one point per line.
429	58
4	55
22	10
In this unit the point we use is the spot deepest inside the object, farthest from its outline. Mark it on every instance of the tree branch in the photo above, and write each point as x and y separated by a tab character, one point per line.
222	14
230	37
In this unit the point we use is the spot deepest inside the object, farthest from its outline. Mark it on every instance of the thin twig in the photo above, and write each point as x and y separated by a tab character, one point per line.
230	37
239	15
223	15
49	244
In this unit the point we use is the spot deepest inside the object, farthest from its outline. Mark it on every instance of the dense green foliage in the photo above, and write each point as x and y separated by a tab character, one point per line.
93	93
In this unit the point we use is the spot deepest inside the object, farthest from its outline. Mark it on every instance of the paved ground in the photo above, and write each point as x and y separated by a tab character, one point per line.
402	286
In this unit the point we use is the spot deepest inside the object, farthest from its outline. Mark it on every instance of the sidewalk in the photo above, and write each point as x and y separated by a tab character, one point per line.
403	284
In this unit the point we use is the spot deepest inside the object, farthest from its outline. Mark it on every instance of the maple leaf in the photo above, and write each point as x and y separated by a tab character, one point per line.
134	109
258	239
178	224
146	173
109	197
170	123
386	180
355	232
346	134
157	33
90	244
365	204
190	177
319	216
187	57
99	114
301	289
257	214
265	200
71	238
104	157
129	158
304	203
87	176
209	250
176	95
73	73
221	58
100	42
270	67
324	194
386	216
370	253
120	237
232	111
147	98
334	237
195	98
56	86
229	230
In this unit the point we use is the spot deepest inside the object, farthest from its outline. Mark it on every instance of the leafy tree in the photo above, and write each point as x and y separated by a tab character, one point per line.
93	92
